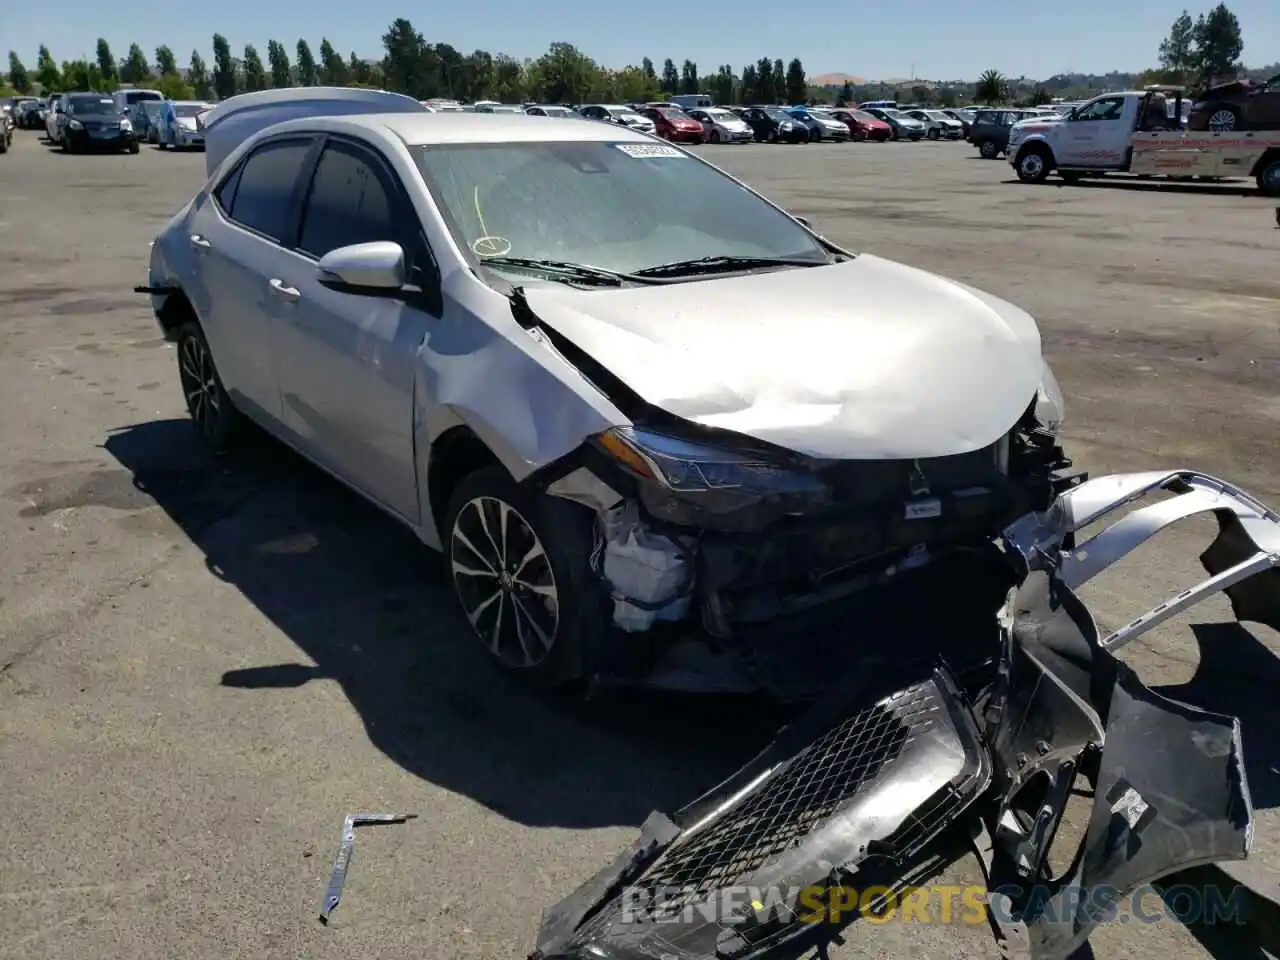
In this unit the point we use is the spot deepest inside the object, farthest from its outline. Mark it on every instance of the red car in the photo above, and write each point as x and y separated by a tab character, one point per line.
863	126
675	124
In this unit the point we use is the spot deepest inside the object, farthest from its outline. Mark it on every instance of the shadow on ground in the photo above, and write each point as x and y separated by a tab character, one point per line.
369	606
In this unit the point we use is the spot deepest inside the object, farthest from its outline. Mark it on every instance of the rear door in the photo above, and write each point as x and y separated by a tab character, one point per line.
347	361
237	237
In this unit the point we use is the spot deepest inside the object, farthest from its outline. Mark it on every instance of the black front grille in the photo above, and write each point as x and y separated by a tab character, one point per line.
875	481
793	803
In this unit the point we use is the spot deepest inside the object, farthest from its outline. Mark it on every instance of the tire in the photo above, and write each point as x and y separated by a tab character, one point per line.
815	136
553	643
1268	177
715	136
1223	117
1033	165
133	147
933	134
989	150
216	420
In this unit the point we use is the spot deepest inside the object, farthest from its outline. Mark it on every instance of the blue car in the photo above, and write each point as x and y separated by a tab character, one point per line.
176	125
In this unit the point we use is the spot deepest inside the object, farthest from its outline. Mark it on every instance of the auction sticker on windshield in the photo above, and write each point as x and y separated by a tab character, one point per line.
647	150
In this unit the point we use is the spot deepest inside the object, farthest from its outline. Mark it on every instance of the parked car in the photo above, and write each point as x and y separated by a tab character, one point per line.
937	125
1241	105
176	126
721	126
862	125
821	126
962	116
672	123
7	126
990	130
904	127
618	113
773	125
29	114
130	96
145	115
92	121
552	110
584	365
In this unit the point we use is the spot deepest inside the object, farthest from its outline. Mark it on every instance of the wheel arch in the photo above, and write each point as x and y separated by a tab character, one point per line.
1039	146
455	454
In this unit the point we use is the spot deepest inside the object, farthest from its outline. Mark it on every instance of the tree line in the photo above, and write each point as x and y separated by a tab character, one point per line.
1194	52
409	65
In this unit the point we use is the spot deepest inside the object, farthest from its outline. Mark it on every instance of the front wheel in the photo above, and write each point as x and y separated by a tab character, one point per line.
216	420
715	136
518	563
934	134
989	149
1033	166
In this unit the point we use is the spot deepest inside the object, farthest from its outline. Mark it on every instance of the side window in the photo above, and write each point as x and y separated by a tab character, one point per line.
263	194
225	194
348	203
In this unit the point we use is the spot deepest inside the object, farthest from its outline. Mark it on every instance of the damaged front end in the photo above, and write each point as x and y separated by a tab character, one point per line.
749	545
870	789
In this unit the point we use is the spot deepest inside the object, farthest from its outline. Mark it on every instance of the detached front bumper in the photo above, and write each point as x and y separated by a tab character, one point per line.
850	803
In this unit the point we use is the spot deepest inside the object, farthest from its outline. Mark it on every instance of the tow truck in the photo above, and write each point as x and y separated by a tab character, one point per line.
1141	132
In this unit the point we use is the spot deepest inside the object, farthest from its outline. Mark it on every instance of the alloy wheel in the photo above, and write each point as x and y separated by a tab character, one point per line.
200	386
504	581
1222	120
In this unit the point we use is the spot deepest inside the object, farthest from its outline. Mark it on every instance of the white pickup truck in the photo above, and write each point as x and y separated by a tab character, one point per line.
1140	132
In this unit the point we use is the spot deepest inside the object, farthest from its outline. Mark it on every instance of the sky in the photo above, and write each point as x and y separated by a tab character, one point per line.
929	39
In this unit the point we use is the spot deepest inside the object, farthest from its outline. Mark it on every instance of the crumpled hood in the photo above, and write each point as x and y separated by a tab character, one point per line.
866	359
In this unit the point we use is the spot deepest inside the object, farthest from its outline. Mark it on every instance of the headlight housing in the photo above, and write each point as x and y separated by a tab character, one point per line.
1051	407
682	480
75	125
126	125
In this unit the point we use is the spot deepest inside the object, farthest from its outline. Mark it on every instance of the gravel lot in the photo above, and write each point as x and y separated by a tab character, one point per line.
204	667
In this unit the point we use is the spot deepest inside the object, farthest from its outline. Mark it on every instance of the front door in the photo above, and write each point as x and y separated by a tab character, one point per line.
348	362
1096	136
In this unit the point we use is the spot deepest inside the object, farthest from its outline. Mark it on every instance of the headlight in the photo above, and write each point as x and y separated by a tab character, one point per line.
75	124
786	125
684	477
1051	408
126	125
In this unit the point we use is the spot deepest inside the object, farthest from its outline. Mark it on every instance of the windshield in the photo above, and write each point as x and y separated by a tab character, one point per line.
777	114
189	109
626	114
619	206
720	116
893	113
93	106
937	115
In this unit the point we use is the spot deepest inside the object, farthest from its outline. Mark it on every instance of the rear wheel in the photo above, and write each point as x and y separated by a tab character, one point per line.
1269	177
518	563
989	149
216	420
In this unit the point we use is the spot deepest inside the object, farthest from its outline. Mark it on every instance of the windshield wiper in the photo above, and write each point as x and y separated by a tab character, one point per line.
567	270
689	268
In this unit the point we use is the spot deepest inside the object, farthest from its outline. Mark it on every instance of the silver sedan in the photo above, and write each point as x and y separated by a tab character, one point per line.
616	387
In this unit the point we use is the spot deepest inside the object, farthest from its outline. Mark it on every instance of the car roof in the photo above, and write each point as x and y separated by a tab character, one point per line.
425	129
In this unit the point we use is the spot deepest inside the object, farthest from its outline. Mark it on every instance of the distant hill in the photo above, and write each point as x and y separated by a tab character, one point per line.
836	80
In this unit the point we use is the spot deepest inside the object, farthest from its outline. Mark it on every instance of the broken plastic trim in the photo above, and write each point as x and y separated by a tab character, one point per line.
333	894
1247	546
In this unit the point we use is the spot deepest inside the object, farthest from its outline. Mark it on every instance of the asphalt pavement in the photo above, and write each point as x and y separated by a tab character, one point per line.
205	665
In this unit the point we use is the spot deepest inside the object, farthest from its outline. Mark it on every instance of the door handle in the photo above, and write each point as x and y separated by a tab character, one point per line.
199	242
280	290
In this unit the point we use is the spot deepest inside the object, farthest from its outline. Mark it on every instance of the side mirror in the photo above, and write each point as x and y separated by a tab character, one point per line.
368	268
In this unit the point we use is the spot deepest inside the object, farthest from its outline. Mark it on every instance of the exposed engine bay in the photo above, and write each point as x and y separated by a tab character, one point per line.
874	786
